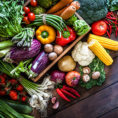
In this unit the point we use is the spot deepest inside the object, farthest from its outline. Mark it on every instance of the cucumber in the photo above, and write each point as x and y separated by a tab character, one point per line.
19	107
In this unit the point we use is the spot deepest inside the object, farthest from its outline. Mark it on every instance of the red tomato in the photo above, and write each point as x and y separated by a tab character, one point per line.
31	16
19	88
26	10
72	78
26	20
33	3
24	98
13	95
99	28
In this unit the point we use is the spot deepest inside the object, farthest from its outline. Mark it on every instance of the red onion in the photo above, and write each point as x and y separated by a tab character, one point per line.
57	76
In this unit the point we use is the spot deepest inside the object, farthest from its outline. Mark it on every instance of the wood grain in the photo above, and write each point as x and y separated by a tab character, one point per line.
93	106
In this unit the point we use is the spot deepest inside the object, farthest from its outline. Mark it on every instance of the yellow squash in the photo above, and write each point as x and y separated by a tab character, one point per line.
45	34
105	42
100	52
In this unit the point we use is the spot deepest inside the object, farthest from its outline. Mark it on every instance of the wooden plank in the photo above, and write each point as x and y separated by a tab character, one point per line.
93	106
110	114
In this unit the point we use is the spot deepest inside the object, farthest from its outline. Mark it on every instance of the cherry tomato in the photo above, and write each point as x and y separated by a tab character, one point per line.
31	16
26	10
99	28
26	20
33	3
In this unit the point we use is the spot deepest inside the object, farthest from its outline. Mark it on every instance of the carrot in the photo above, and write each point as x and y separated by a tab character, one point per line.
76	4
58	13
61	4
68	12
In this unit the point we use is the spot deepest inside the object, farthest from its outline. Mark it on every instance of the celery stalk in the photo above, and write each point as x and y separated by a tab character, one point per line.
4	52
5	44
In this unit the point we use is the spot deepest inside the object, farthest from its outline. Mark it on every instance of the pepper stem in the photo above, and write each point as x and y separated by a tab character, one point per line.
44	34
66	34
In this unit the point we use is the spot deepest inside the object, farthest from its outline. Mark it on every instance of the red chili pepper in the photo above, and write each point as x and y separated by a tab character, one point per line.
13	95
71	90
19	88
108	34
67	36
116	32
66	92
111	18
110	30
62	95
2	79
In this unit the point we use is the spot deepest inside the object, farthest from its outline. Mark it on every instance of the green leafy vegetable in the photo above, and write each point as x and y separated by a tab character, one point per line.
24	38
113	5
96	65
22	67
81	27
92	10
71	20
9	111
11	15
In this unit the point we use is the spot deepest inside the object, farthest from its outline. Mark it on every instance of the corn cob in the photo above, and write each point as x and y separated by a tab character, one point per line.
100	52
105	42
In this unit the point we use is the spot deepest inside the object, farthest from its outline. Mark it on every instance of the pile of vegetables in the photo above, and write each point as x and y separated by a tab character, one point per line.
34	36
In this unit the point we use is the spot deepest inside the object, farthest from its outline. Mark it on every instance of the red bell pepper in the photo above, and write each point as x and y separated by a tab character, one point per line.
67	36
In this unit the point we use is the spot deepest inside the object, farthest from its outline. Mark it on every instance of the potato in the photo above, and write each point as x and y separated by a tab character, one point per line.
66	64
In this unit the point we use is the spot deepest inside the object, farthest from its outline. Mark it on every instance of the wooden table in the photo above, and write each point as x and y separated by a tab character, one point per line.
98	102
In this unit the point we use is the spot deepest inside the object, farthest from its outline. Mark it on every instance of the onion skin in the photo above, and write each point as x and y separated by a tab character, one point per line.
57	76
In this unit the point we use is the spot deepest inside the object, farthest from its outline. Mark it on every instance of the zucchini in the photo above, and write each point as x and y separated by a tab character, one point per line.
21	108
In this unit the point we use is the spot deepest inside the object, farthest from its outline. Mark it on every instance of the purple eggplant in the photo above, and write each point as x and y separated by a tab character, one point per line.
16	54
39	64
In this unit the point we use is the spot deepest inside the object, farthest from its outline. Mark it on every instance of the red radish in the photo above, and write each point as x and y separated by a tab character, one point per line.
99	28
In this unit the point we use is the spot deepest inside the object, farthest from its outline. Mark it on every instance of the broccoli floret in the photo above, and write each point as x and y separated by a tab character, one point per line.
93	10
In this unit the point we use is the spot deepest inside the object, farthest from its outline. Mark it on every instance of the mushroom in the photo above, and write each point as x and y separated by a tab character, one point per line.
86	78
95	75
86	70
58	49
52	56
48	48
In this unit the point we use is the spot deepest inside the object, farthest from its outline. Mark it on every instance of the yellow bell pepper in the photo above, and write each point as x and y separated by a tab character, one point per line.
45	34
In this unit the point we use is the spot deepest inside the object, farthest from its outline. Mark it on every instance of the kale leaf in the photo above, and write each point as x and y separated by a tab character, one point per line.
96	65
